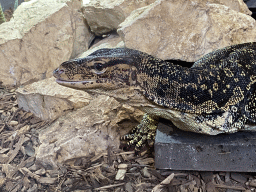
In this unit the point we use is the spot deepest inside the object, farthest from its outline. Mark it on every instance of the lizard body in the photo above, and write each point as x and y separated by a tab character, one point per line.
216	95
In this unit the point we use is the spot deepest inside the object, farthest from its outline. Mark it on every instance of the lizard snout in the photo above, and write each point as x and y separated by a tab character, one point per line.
57	72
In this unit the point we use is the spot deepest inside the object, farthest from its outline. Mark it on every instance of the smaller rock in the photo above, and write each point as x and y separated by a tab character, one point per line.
252	183
29	150
13	123
238	177
122	168
23	130
128	187
33	189
40	171
47	180
145	172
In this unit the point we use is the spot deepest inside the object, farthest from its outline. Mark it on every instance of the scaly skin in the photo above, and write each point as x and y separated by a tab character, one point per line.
217	94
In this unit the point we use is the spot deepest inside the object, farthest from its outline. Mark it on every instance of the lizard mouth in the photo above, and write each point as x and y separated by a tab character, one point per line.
79	83
83	84
74	82
88	84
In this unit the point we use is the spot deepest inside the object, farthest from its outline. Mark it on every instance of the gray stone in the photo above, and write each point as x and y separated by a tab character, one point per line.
239	177
190	151
128	187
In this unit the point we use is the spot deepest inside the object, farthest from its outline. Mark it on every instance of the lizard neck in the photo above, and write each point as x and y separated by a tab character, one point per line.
169	85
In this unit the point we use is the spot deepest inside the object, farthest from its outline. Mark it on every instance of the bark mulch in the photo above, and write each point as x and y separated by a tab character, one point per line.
111	171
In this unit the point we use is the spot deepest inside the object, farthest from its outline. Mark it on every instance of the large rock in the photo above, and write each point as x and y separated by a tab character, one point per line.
48	100
104	16
89	130
185	30
41	35
97	122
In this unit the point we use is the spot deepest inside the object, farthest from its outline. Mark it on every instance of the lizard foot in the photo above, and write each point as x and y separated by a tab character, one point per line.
142	135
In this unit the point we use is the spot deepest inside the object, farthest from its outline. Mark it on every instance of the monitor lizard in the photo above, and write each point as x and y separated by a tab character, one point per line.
216	95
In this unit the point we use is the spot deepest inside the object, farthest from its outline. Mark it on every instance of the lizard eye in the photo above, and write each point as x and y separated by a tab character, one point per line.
98	66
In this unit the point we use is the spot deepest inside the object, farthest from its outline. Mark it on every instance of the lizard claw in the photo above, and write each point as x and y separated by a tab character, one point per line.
142	135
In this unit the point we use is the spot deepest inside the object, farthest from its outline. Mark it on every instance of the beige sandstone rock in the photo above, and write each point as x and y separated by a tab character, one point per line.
237	5
48	100
185	30
89	130
98	122
40	36
104	16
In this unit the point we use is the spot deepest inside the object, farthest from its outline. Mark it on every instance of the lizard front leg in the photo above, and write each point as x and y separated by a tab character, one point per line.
142	134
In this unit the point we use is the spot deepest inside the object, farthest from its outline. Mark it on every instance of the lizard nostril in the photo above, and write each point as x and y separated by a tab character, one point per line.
57	72
60	71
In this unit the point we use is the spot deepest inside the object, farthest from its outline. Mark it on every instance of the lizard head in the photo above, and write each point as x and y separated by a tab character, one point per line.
105	69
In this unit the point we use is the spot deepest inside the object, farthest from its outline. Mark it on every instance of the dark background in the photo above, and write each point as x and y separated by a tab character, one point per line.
6	4
251	3
252	6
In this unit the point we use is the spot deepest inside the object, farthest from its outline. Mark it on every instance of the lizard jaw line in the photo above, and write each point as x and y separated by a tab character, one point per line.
77	84
74	82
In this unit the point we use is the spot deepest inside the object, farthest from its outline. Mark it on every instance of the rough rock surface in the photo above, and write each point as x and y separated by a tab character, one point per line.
40	36
104	16
98	122
88	130
237	5
48	100
185	30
